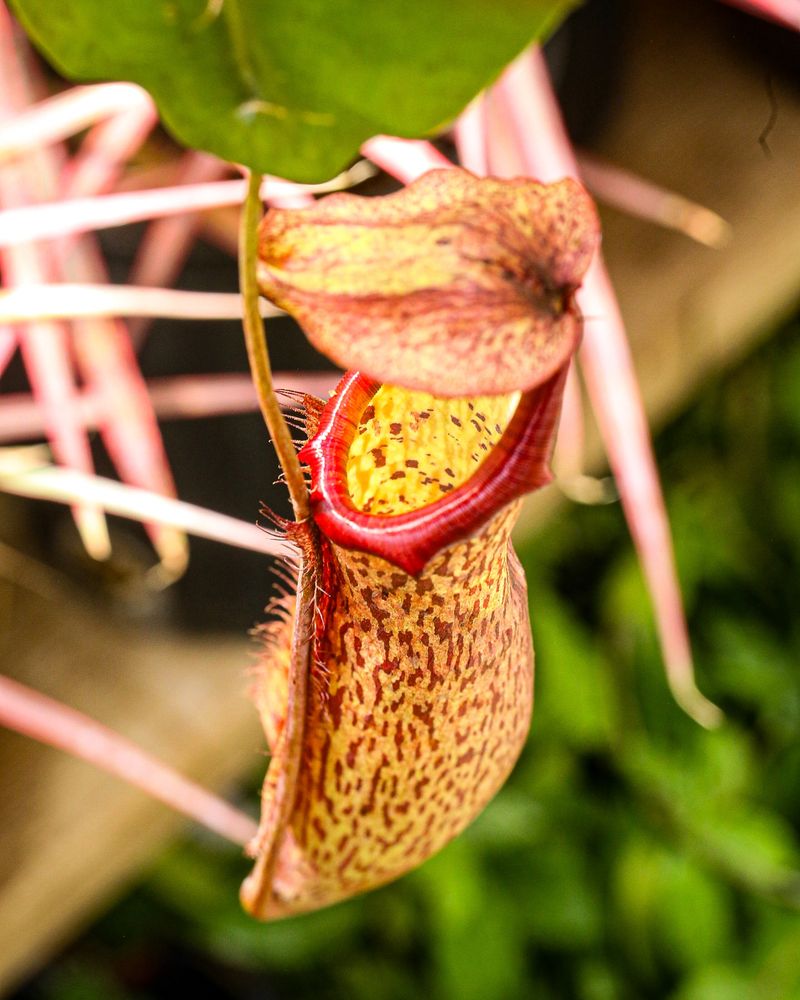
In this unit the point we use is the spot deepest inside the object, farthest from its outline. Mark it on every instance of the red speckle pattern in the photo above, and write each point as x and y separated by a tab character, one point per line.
421	708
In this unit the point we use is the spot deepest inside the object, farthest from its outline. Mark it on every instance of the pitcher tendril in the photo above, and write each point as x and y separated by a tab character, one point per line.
255	339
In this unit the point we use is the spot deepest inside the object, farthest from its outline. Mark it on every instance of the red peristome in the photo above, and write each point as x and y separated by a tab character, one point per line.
518	464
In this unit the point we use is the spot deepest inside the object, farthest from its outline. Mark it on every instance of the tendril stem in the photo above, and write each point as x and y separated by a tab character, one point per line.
257	353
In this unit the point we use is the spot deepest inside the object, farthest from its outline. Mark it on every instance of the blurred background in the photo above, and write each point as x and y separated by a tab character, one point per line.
632	854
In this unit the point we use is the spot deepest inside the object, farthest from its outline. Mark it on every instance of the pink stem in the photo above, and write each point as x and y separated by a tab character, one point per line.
8	344
65	114
8	335
44	347
405	159
504	154
58	485
168	241
79	215
101	348
71	300
128	425
45	353
127	421
526	93
786	12
637	196
48	721
470	136
286	194
177	398
104	152
568	457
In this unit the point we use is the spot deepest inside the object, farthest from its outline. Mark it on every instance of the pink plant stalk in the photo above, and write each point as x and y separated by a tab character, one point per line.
8	344
568	460
33	714
637	196
129	428
105	151
45	345
58	117
178	397
786	12
533	138
167	242
75	300
405	159
45	352
484	138
470	136
79	215
128	425
101	348
50	482
527	95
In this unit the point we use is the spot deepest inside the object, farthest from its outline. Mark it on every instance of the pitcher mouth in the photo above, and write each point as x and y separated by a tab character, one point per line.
403	474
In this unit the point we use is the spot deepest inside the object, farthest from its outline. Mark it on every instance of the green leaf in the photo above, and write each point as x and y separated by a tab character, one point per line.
635	886
717	982
561	908
669	908
478	946
573	698
196	886
293	88
693	915
756	848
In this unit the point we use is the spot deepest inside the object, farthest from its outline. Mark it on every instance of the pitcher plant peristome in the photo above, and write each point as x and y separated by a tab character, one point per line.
411	609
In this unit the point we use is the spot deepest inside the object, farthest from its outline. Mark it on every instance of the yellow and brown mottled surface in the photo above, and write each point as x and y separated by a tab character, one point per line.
421	688
426	710
411	449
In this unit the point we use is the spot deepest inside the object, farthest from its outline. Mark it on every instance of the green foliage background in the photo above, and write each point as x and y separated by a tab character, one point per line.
631	854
